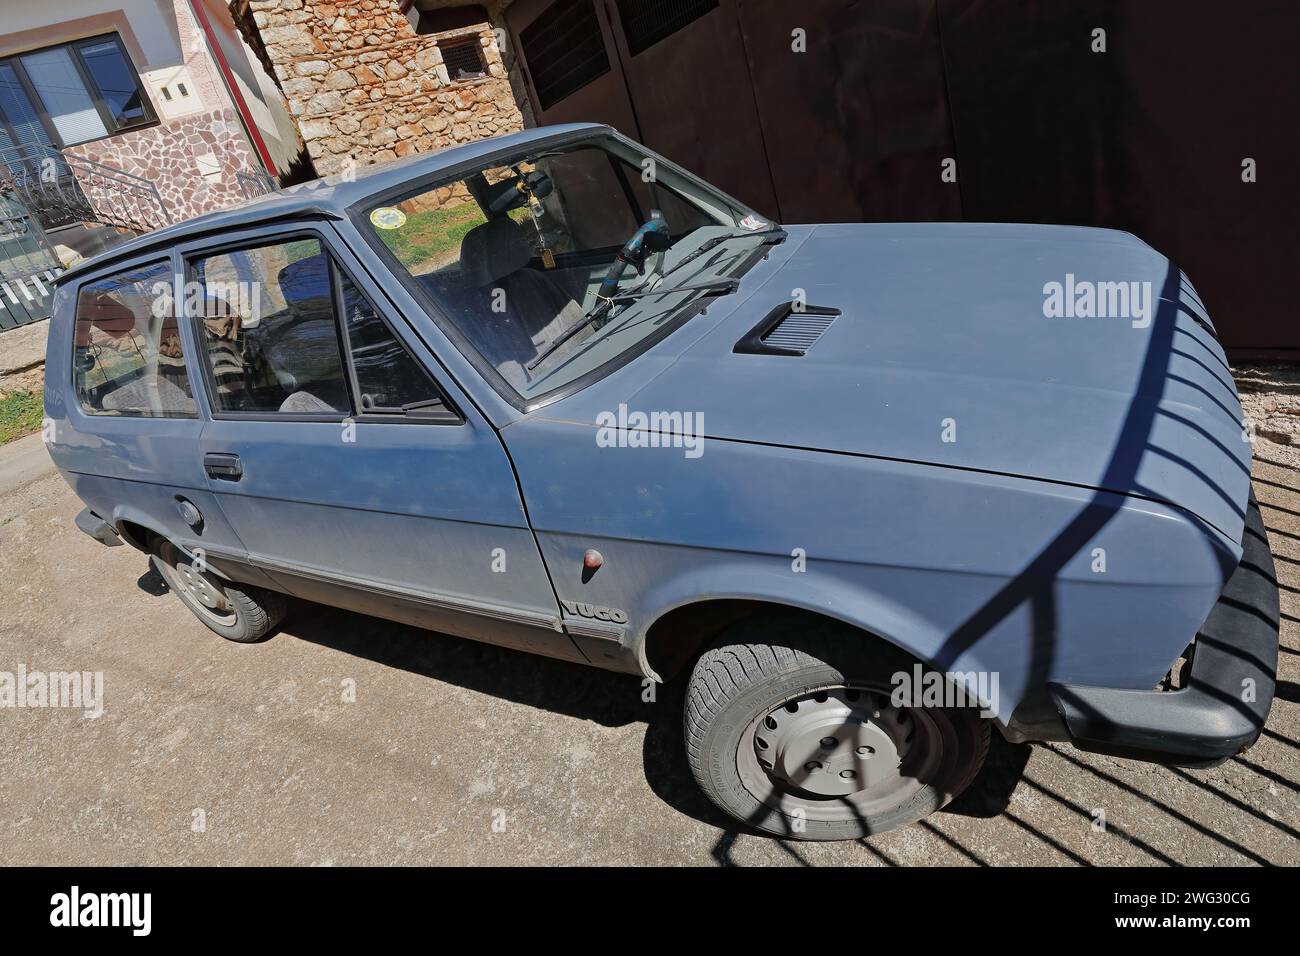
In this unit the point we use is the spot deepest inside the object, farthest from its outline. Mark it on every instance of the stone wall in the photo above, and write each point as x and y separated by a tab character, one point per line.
366	88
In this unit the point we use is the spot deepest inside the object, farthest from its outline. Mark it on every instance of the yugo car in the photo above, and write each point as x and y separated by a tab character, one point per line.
868	490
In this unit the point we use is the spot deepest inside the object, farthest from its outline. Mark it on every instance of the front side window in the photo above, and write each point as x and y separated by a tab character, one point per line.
388	378
78	91
270	318
529	258
127	358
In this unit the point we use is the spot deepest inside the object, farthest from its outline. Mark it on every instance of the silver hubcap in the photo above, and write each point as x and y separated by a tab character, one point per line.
834	742
209	596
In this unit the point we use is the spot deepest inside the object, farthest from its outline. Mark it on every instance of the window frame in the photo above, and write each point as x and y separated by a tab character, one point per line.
191	253
466	39
147	262
14	61
521	45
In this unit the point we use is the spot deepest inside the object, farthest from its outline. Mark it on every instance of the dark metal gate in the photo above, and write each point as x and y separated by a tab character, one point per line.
1146	116
28	265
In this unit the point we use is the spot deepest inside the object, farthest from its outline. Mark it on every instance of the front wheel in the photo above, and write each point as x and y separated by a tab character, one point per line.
237	612
790	728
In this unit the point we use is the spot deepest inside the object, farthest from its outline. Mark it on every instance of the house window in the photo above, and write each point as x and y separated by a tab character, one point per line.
77	92
463	57
564	50
646	22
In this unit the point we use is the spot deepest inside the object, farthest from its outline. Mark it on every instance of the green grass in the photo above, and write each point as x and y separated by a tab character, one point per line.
430	238
21	414
430	234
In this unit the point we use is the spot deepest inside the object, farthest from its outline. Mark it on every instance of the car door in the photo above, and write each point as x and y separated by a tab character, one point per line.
121	379
350	473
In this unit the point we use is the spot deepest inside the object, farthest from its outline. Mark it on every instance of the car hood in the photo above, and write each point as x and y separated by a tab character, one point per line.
944	353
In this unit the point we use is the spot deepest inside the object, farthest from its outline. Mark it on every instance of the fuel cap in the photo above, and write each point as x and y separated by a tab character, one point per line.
189	513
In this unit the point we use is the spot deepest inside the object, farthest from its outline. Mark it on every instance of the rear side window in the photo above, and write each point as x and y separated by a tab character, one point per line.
127	353
270	319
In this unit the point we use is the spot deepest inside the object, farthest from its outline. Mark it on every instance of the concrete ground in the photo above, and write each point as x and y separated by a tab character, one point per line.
214	753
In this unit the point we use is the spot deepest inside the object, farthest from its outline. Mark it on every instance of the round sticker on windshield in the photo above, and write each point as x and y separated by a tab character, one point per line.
387	217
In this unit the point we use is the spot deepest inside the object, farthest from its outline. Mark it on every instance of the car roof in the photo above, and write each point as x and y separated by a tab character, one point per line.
329	196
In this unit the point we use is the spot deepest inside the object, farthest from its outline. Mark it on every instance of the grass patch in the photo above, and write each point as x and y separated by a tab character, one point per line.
21	413
429	235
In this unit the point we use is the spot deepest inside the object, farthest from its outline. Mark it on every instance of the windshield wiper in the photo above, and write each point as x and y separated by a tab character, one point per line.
716	287
774	235
771	236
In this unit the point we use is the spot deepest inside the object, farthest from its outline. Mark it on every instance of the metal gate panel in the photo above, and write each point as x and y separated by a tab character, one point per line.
28	266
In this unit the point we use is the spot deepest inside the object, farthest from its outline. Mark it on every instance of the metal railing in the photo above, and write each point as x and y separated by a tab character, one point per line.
254	184
62	188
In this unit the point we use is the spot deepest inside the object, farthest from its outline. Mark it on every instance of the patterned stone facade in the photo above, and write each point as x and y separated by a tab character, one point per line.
192	159
366	88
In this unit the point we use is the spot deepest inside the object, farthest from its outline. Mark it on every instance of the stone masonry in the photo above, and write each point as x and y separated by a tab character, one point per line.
365	88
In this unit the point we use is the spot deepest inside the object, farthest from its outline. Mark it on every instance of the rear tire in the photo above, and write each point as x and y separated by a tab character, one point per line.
237	612
790	729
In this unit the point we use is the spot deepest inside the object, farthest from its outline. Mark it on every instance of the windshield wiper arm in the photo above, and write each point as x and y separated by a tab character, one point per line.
716	287
774	235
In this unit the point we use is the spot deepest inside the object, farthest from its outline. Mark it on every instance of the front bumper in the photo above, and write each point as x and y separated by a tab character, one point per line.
1222	709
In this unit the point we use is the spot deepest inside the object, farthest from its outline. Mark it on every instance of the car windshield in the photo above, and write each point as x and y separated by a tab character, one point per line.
518	256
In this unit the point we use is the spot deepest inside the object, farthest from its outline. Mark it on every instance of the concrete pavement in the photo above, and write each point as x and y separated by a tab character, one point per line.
23	461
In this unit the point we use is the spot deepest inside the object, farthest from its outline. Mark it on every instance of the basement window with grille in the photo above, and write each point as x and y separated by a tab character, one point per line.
564	50
646	22
463	57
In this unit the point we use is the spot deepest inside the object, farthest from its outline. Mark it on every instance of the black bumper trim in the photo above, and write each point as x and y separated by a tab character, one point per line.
99	529
1213	717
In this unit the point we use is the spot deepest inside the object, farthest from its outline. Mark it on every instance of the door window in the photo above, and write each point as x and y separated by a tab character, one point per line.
388	378
269	317
128	358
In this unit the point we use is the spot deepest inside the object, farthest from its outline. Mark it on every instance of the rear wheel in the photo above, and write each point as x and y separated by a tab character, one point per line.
790	728
237	612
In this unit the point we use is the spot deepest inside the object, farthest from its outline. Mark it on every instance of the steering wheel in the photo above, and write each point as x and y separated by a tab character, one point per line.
653	236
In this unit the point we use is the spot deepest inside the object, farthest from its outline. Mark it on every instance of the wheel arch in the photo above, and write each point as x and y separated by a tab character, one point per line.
135	527
692	611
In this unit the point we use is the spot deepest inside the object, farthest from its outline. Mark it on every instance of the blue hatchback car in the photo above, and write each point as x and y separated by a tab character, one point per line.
872	490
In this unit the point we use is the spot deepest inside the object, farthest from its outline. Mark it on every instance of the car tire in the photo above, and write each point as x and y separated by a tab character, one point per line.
765	703
237	612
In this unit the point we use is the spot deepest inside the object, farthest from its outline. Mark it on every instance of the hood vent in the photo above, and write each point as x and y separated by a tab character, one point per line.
787	330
